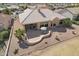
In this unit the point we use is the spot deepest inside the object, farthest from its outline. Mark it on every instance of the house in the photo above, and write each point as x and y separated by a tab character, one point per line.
5	21
65	13
39	17
68	12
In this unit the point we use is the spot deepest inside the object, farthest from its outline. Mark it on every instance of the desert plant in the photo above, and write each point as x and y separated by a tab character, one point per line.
19	33
16	51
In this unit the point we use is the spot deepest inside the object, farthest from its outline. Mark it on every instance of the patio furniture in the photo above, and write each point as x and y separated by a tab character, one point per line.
44	30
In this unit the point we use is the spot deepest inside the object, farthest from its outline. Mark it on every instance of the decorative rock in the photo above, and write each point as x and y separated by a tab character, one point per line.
57	38
74	32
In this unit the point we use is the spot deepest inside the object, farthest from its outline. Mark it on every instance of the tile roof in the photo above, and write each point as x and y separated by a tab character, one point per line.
38	15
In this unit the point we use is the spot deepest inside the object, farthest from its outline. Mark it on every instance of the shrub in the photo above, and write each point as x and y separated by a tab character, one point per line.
16	51
75	22
23	7
77	18
67	22
6	11
19	33
4	34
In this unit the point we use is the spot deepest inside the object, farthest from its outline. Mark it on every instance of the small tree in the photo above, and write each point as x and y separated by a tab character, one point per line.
4	35
77	18
67	22
19	33
16	51
23	7
6	11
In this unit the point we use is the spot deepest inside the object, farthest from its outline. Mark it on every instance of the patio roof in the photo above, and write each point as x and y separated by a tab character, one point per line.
38	15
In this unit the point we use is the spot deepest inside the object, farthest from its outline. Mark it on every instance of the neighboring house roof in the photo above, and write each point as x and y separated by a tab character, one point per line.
9	7
13	7
65	13
68	12
38	15
5	20
74	10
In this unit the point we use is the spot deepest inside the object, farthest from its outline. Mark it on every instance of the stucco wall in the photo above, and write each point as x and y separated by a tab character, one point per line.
55	21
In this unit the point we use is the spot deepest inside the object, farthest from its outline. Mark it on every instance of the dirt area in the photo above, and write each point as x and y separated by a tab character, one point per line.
69	47
23	49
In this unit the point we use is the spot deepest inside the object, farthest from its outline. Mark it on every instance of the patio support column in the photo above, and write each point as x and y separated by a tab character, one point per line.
49	24
38	25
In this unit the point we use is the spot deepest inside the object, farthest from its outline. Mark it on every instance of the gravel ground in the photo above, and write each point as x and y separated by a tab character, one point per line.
66	48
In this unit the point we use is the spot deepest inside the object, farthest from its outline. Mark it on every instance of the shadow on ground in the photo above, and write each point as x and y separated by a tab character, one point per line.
23	45
61	28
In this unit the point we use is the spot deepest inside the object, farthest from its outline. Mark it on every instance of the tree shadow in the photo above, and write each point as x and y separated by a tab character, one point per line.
2	44
23	44
59	29
71	27
33	33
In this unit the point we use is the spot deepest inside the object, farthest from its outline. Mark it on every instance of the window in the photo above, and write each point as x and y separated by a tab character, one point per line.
41	26
46	25
51	24
61	22
54	24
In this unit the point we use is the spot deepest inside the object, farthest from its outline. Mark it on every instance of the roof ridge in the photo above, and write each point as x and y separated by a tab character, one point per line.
30	14
69	11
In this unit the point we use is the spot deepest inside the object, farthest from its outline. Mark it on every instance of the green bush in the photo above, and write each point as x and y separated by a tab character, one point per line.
67	22
16	51
77	18
4	35
6	11
75	22
23	7
19	33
